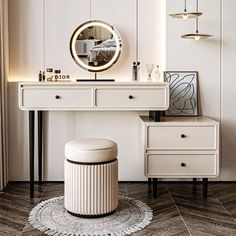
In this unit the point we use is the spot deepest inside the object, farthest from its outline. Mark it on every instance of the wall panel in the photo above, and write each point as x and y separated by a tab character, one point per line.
228	91
26	36
151	34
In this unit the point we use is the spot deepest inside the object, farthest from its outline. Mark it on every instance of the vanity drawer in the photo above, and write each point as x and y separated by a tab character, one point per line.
131	98
184	137
181	165
56	98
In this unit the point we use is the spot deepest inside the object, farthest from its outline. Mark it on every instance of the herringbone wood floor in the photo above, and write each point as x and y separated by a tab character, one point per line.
179	208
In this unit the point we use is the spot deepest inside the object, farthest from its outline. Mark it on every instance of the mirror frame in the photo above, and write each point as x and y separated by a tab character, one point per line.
107	26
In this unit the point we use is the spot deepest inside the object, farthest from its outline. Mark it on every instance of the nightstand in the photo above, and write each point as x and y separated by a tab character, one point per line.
180	147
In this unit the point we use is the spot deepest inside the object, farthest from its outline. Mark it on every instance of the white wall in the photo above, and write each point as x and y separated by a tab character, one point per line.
142	27
228	86
46	27
26	35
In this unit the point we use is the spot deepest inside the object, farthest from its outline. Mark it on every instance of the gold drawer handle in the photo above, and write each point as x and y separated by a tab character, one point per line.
57	97
183	136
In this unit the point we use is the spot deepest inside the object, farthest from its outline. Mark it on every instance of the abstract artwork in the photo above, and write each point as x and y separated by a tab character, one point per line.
183	93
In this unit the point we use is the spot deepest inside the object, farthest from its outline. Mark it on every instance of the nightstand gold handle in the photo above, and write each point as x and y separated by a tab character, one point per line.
183	164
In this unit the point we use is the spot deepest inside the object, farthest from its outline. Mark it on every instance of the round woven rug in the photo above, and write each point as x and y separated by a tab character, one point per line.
51	218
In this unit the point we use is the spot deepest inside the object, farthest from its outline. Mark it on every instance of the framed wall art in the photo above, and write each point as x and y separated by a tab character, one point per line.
183	93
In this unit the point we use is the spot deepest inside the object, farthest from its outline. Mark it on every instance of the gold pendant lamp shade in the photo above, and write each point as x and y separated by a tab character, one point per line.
191	15
186	15
196	36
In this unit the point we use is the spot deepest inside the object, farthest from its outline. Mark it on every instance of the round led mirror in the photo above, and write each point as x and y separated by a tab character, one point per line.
95	46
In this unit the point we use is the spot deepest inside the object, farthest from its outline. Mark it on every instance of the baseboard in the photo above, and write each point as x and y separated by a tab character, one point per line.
189	181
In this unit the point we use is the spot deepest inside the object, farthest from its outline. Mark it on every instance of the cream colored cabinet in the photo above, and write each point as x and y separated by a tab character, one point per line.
138	96
180	147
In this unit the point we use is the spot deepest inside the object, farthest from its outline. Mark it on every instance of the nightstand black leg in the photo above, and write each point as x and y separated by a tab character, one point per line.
205	187
155	187
31	151
194	181
155	115
149	181
40	145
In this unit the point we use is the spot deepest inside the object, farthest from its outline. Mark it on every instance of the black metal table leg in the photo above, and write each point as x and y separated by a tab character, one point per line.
155	187
205	187
31	151
194	181
40	145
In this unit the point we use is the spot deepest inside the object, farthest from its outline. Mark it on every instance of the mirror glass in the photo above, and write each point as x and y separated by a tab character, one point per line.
95	46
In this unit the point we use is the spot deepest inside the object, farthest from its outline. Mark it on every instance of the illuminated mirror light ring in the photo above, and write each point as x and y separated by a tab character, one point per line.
115	35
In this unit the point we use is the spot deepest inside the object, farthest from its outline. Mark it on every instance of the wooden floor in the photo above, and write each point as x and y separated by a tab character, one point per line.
179	208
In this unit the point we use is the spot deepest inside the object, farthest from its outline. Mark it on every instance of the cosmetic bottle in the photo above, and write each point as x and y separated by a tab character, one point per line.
157	73
43	76
57	75
134	71
49	74
138	71
40	76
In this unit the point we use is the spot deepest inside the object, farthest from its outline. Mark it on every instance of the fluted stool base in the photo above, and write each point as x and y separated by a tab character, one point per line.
91	189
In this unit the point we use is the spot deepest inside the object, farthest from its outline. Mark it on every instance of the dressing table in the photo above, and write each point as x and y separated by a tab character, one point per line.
86	96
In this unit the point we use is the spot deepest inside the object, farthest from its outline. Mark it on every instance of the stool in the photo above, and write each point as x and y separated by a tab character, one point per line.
91	177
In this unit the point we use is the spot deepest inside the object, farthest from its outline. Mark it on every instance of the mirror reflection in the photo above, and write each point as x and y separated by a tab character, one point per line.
96	46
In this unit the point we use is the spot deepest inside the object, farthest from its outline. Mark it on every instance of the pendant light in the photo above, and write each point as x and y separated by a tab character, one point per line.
196	35
186	15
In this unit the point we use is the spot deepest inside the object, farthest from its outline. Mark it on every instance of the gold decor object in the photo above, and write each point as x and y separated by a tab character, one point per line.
186	15
196	36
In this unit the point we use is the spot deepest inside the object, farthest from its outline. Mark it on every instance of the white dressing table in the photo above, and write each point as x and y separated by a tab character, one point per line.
86	96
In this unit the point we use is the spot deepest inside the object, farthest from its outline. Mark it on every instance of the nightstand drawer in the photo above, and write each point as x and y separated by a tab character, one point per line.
132	98
56	98
183	138
181	165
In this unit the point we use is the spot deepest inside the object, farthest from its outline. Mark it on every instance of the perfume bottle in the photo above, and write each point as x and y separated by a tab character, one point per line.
150	68
157	73
49	74
57	74
40	76
136	71
43	76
